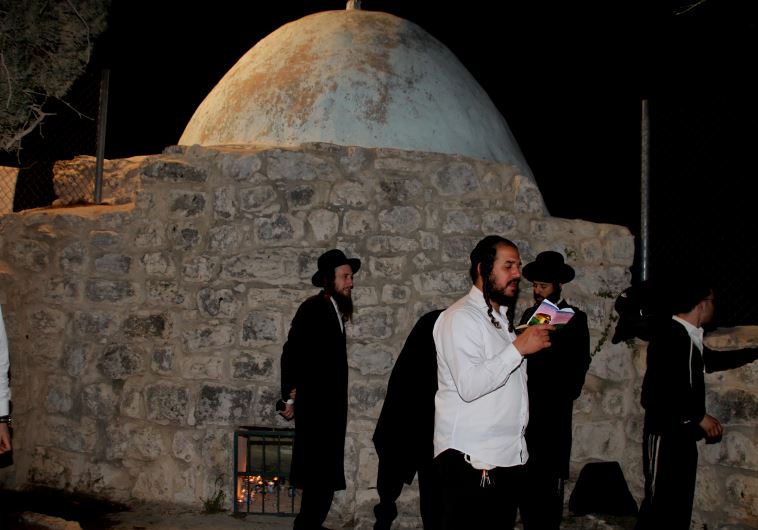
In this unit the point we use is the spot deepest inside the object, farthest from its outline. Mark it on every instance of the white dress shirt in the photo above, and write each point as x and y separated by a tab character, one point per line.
5	391
481	405
696	340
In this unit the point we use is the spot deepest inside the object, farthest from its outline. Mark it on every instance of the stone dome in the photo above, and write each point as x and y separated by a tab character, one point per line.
353	77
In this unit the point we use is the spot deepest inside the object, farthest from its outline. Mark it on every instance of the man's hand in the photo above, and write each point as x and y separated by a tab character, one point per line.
5	438
533	339
289	406
711	426
289	411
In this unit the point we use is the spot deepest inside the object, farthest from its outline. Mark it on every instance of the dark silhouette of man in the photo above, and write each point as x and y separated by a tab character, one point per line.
314	387
405	430
555	379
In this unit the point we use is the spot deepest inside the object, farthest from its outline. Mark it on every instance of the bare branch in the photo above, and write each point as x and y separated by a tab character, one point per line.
8	77
16	139
690	7
86	26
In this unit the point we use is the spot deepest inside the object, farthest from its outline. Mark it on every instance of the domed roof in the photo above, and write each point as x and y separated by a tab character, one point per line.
354	77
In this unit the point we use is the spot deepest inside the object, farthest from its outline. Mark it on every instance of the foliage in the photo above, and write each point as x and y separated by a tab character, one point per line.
612	319
44	47
215	503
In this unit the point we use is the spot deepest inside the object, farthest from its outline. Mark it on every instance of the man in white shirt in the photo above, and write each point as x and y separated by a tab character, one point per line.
5	391
482	405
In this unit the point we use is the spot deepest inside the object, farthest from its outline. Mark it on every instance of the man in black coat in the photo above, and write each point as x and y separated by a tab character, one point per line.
555	379
673	396
404	435
314	387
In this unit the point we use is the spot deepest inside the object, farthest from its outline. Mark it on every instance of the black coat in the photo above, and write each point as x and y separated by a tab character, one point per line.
673	389
555	379
404	434
314	362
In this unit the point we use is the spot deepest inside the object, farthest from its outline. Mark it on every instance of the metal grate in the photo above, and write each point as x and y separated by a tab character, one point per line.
261	471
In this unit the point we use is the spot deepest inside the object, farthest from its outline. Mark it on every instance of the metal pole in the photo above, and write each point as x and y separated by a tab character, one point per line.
645	194
101	123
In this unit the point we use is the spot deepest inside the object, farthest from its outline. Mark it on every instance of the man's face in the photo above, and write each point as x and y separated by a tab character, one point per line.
542	290
343	280
506	274
706	314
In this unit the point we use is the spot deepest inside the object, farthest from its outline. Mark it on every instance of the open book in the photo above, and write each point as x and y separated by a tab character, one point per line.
549	313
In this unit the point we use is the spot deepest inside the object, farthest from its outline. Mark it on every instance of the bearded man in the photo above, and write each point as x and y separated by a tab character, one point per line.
556	376
482	405
314	387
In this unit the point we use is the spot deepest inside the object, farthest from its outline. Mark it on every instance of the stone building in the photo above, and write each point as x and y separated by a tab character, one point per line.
144	331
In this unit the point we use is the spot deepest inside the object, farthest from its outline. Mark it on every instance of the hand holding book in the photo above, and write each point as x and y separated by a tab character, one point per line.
549	313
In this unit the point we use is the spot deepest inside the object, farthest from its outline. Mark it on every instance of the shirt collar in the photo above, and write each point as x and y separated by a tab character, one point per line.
339	314
695	333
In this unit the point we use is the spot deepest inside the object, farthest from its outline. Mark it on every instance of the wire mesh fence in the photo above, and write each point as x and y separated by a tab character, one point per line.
70	130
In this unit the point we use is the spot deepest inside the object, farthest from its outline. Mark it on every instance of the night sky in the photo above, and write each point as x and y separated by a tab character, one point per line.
568	77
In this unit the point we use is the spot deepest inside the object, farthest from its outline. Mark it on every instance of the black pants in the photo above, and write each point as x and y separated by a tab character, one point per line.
670	467
542	504
389	484
314	507
466	503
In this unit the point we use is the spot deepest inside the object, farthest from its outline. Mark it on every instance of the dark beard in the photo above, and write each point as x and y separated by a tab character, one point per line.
344	304
501	298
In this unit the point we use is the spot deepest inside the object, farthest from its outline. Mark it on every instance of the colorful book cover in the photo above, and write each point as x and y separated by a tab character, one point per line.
549	313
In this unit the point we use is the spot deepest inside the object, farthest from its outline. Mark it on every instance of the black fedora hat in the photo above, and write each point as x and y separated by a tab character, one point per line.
548	267
330	260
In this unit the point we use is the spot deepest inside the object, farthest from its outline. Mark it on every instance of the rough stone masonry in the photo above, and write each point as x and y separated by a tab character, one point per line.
144	331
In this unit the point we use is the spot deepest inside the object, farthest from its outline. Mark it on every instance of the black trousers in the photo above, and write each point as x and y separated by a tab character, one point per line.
541	507
314	507
466	503
389	484
670	467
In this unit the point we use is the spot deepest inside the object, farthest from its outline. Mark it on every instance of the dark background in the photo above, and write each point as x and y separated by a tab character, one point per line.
568	77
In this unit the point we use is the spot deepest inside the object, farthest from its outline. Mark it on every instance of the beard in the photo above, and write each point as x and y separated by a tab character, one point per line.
554	297
344	304
499	296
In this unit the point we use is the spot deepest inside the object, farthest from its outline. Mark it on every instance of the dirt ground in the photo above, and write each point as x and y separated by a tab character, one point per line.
43	509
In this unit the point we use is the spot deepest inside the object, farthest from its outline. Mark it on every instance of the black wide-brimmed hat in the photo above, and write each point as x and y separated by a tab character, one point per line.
548	267
330	260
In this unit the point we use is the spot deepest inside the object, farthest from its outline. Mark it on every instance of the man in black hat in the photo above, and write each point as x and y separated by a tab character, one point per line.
555	379
314	387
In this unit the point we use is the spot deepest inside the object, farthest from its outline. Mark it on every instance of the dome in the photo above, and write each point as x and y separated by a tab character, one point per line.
353	77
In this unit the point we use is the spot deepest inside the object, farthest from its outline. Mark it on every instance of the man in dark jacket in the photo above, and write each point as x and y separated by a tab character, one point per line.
314	387
555	379
673	396
404	435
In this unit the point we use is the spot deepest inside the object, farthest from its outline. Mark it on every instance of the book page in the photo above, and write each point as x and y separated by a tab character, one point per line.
549	313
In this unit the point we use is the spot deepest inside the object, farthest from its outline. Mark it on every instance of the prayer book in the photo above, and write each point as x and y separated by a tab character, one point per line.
549	313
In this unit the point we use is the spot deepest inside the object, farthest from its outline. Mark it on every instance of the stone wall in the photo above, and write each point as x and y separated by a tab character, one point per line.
142	333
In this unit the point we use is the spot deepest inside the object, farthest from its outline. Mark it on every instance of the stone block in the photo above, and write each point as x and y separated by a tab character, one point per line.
167	403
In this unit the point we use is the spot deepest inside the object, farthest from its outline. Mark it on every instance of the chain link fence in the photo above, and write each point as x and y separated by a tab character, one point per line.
27	176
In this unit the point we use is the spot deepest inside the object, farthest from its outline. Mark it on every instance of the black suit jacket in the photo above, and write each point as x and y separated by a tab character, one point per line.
555	379
404	434
314	361
673	389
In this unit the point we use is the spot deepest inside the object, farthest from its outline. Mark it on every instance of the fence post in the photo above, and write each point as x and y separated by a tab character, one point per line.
101	124
645	194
